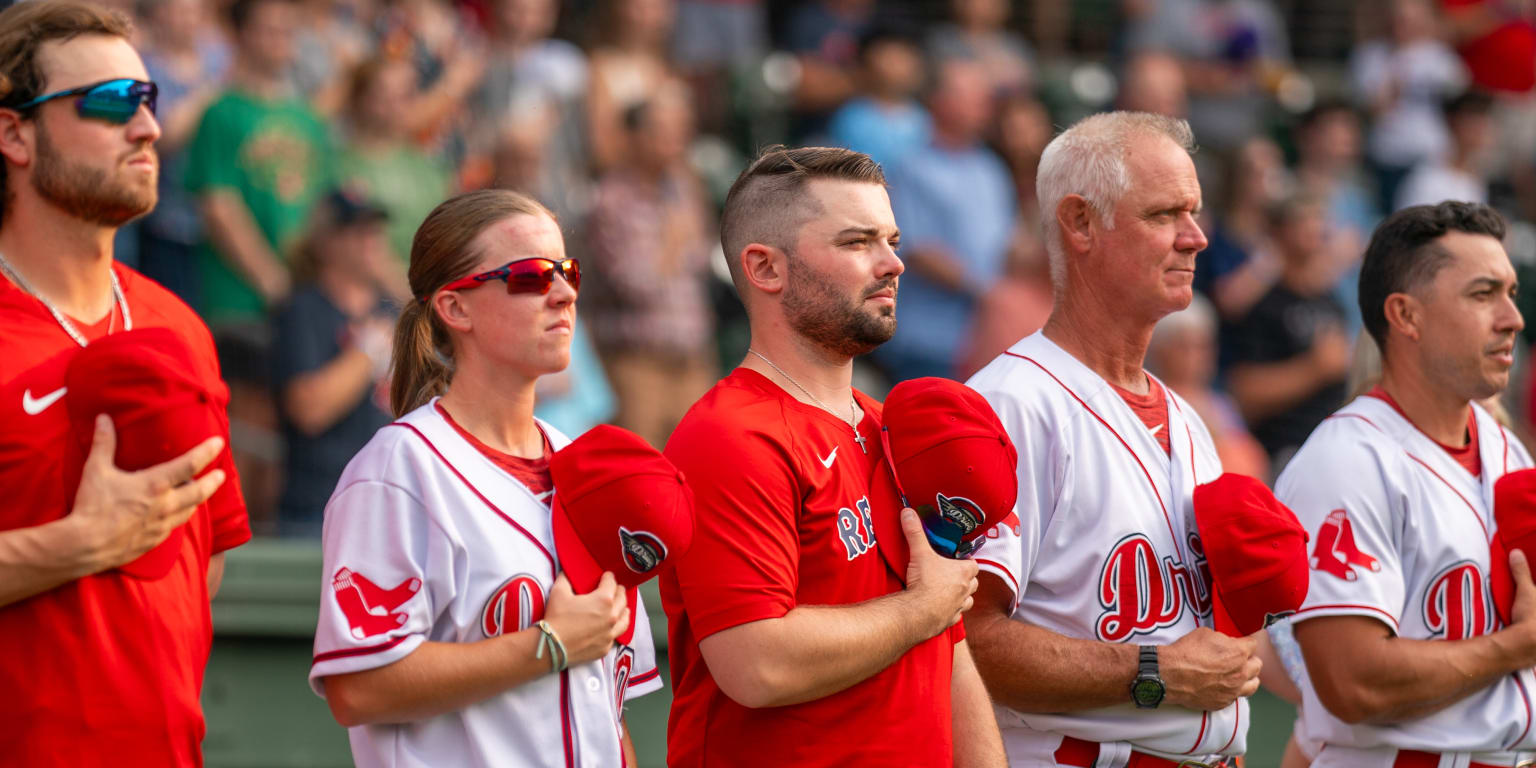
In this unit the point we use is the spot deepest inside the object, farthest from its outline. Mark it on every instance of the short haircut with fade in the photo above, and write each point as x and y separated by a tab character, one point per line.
1404	253
769	203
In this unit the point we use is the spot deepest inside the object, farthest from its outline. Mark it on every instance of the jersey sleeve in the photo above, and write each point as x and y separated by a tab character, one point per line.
1013	545
1341	491
389	570
644	676
743	565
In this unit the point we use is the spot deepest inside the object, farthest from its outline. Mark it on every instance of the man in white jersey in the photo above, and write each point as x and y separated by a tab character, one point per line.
1408	663
1091	621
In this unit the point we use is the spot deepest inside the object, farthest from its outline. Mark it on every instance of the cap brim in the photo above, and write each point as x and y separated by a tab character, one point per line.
885	512
580	567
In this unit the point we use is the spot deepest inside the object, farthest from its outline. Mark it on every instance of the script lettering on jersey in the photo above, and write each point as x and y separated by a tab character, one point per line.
1457	604
1199	591
1141	592
369	608
623	665
856	529
515	606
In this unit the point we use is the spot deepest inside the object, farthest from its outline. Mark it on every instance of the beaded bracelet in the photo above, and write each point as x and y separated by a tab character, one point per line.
558	658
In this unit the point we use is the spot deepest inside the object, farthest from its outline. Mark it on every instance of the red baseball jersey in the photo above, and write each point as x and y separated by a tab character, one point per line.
108	669
782	500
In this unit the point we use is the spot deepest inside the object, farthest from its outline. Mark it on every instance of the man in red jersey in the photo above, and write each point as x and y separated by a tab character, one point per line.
100	665
791	640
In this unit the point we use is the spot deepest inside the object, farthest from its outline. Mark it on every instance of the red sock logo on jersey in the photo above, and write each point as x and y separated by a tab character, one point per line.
369	608
1335	551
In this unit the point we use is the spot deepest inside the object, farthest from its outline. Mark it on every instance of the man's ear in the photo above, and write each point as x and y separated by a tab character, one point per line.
1075	217
1405	314
764	267
16	138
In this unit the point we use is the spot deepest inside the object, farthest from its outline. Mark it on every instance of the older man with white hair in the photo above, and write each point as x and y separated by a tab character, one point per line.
1091	622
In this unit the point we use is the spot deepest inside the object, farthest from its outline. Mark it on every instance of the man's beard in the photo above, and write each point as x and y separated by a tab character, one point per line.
89	194
816	311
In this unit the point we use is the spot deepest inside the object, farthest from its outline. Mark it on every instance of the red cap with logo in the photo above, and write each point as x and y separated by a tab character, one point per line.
953	463
145	379
1256	550
1514	512
620	506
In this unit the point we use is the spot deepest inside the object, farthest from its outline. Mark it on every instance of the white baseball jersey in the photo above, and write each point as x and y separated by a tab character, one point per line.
427	539
1400	533
1106	547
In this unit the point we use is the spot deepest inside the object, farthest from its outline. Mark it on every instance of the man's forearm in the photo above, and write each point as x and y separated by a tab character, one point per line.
1055	674
1265	389
236	237
40	558
977	741
811	652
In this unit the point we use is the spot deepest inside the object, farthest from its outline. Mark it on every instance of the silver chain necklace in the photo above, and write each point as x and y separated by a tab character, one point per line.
69	328
852	403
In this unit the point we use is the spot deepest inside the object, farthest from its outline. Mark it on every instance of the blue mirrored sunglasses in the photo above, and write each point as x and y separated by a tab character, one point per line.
115	101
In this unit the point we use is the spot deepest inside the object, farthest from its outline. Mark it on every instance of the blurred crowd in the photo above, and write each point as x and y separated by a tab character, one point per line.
305	140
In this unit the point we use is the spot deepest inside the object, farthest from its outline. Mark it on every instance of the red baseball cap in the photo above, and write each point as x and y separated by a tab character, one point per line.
146	380
620	506
953	463
1514	513
1256	550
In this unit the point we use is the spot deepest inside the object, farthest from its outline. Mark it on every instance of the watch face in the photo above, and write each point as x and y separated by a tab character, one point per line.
1147	692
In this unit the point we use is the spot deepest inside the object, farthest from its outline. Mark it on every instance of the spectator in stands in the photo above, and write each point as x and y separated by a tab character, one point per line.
332	40
257	164
629	68
1019	303
188	59
650	237
1153	81
979	32
380	162
1462	173
884	121
824	36
714	40
955	204
1239	265
1402	80
1291	353
1183	355
1329	168
532	102
1497	40
330	355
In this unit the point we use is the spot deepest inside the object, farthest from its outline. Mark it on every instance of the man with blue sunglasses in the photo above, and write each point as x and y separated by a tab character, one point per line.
101	655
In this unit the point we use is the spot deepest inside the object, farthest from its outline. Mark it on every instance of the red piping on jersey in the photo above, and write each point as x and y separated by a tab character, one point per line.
471	486
1006	574
645	678
1205	720
1432	470
1525	698
1237	724
1505	436
346	652
1475	513
565	717
1352	605
1128	448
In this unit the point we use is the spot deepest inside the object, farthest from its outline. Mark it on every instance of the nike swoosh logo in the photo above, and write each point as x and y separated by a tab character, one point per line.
1156	429
831	457
34	406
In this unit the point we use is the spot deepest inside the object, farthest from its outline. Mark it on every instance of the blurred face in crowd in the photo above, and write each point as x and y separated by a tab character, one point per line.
894	68
1412	20
1467	317
1302	234
1146	263
1261	177
1185	357
266	42
98	171
378	109
842	270
644	20
961	102
666	130
526	332
1472	131
525	21
1023	130
1332	142
177	23
1154	82
981	14
356	250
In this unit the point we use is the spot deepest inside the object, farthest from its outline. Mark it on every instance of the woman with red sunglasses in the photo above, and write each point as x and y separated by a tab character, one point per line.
447	634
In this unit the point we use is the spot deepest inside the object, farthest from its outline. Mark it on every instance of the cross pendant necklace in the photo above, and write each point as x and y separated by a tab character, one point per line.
853	404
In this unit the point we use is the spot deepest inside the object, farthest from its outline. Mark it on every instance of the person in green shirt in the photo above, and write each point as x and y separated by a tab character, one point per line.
258	163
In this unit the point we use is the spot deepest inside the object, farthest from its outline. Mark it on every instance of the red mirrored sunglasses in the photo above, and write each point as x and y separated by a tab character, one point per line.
524	276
